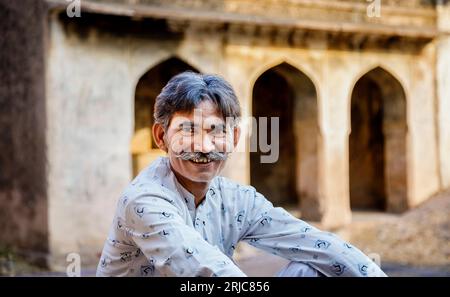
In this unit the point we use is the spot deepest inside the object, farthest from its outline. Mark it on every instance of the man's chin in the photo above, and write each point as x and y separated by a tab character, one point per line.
202	178
200	172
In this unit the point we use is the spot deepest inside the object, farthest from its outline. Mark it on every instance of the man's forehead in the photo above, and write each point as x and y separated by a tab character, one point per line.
181	121
196	117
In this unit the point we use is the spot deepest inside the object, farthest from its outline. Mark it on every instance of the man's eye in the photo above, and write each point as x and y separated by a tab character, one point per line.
219	131
188	129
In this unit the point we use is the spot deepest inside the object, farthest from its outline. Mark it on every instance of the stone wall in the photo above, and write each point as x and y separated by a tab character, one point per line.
443	92
23	179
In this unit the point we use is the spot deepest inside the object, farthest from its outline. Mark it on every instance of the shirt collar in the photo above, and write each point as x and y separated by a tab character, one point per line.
187	196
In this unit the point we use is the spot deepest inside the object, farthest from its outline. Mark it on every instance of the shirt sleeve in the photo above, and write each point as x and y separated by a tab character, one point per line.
172	247
276	231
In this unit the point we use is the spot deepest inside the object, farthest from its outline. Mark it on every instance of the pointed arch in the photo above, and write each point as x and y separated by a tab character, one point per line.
385	68
143	148
286	92
378	142
262	68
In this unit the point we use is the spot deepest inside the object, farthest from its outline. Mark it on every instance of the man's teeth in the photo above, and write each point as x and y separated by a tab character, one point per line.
200	160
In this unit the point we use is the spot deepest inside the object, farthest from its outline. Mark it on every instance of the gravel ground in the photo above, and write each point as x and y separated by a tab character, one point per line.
420	237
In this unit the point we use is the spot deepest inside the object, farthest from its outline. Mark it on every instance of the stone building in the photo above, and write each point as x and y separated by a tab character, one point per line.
363	100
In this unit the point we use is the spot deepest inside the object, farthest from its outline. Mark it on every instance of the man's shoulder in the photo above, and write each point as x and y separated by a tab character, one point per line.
227	185
148	185
239	198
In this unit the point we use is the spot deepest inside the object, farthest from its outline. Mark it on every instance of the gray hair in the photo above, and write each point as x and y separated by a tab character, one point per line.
185	91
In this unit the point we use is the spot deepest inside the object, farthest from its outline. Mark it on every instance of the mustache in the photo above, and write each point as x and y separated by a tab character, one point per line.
211	156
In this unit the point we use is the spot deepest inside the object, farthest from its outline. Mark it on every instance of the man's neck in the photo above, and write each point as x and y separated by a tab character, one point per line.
198	189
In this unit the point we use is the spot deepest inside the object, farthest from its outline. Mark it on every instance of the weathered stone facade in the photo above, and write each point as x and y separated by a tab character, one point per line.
23	172
364	102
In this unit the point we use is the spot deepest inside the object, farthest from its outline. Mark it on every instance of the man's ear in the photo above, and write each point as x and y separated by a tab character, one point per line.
237	134
158	135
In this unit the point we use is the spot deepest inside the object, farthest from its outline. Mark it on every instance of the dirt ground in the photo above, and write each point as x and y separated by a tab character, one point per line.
420	237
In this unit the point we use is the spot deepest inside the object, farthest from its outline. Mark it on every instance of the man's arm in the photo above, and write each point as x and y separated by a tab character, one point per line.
174	248
276	231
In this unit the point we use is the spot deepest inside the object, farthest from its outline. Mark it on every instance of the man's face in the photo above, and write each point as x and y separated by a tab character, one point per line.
197	142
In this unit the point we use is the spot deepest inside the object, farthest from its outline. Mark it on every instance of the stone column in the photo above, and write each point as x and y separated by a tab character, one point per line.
333	148
423	152
443	91
238	165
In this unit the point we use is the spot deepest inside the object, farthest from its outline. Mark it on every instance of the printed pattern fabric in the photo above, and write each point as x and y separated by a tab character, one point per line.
158	231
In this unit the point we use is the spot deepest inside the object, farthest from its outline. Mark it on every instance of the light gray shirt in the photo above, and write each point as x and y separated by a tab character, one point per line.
158	231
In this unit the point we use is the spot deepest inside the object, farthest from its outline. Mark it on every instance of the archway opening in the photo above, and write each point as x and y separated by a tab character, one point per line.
143	148
287	93
377	144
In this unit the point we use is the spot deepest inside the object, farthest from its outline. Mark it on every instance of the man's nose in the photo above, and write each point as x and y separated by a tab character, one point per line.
204	143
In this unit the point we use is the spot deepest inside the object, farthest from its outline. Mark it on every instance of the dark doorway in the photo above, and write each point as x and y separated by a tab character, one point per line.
287	93
378	143
143	148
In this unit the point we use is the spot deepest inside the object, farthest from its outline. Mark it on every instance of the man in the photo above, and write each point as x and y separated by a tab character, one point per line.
179	218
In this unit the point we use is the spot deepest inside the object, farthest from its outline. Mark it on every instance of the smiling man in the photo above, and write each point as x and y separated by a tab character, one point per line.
178	217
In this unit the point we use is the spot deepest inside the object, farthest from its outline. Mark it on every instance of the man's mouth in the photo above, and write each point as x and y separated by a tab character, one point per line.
200	160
